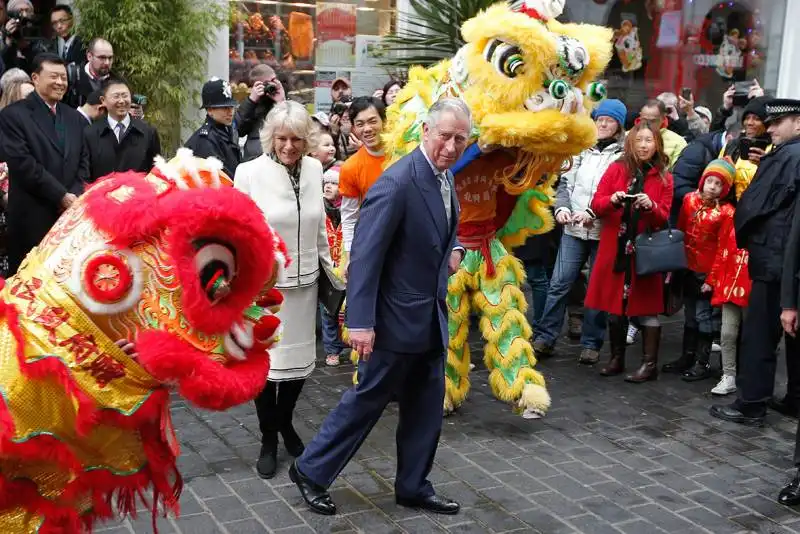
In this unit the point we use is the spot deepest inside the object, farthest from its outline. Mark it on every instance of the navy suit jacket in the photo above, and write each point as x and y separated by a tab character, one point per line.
397	277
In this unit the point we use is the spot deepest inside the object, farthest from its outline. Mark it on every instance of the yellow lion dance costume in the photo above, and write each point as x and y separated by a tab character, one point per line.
528	81
174	262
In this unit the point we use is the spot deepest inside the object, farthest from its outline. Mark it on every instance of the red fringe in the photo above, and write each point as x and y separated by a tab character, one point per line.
110	493
201	380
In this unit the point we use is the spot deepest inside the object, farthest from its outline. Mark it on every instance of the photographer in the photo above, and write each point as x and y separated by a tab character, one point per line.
266	92
344	140
737	96
88	78
19	46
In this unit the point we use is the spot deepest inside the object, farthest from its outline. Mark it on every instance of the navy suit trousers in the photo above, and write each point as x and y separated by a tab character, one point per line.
418	382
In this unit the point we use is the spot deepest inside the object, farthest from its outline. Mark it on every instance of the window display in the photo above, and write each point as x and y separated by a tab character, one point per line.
310	44
703	45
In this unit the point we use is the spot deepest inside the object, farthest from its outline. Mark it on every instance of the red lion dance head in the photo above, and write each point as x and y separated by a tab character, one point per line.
181	264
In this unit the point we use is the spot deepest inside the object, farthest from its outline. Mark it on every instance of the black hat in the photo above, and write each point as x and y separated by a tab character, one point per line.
782	107
757	107
218	94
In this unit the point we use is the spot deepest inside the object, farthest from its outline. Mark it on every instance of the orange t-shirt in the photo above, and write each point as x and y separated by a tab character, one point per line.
476	186
358	173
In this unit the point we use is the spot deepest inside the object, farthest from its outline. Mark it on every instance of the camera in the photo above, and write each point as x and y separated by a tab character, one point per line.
23	22
139	100
340	107
741	92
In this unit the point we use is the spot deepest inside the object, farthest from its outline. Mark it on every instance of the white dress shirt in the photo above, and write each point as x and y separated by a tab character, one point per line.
126	123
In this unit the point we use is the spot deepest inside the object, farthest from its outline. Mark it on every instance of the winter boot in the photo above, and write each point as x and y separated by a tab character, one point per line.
688	354
268	458
701	370
651	339
617	332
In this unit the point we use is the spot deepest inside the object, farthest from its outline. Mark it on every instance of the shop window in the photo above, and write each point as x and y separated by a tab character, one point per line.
309	44
705	45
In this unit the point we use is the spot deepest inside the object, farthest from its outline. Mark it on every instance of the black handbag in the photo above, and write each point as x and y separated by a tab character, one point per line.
660	252
331	292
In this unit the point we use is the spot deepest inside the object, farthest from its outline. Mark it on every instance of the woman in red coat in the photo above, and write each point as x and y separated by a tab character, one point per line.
634	195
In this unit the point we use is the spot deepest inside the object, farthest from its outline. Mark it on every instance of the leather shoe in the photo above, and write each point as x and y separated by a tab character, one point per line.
432	503
790	495
317	498
783	406
734	414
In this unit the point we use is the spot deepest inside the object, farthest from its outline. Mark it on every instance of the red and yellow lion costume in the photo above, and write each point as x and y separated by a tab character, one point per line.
173	261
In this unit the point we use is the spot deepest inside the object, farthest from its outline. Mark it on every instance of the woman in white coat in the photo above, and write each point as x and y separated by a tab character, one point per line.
287	186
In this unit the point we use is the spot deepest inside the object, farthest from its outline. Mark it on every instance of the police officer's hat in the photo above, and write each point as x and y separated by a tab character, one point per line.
218	94
778	108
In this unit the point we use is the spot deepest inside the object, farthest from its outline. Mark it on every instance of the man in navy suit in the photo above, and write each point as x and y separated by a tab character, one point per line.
403	251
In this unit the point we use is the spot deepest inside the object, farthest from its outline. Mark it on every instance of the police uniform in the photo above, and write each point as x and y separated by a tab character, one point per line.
764	217
789	152
215	139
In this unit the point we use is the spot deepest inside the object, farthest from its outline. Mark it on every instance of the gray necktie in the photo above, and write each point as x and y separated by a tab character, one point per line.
120	131
444	189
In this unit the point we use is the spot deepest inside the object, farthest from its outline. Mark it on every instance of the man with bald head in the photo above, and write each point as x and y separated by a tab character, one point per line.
86	79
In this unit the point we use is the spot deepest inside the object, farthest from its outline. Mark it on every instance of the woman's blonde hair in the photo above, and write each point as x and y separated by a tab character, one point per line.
13	92
293	117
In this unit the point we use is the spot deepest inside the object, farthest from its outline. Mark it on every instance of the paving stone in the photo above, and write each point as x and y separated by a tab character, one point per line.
495	518
608	458
277	514
711	521
199	524
662	517
606	509
374	521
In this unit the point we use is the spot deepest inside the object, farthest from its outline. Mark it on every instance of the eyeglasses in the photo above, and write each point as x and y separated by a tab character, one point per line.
61	22
104	58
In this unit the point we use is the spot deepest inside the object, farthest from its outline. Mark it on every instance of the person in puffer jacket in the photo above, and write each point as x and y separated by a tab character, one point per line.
731	285
703	215
581	233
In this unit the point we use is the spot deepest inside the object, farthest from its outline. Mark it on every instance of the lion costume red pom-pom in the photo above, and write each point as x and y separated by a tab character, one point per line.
180	263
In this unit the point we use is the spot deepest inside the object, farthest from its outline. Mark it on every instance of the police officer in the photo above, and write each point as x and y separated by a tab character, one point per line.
217	137
765	216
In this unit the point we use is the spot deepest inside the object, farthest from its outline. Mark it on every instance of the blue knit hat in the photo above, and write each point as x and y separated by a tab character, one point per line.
611	107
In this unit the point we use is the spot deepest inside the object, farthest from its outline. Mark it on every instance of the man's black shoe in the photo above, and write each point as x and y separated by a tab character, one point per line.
783	406
734	414
317	498
433	503
790	495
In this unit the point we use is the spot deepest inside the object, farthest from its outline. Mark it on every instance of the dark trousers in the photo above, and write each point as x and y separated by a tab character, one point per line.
418	382
275	405
761	333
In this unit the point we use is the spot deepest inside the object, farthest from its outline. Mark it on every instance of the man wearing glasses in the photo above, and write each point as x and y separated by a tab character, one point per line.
89	78
66	44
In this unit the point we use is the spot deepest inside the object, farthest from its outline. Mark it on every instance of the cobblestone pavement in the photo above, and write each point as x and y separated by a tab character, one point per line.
610	457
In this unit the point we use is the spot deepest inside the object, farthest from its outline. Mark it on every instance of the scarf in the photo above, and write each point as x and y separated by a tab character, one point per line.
292	170
626	238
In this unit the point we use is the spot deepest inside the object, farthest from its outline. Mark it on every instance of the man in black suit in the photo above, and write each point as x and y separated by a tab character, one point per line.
41	140
66	44
118	142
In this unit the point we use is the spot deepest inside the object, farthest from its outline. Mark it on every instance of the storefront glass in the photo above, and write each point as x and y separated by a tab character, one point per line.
702	45
310	44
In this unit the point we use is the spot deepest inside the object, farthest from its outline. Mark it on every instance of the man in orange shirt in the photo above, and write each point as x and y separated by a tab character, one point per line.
362	169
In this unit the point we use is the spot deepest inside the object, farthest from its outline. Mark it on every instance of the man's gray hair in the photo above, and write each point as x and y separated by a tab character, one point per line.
456	106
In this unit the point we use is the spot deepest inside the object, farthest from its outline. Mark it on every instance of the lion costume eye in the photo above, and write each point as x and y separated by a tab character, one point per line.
505	57
216	267
572	55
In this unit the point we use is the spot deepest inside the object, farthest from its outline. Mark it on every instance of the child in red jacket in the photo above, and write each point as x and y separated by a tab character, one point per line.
730	283
703	214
